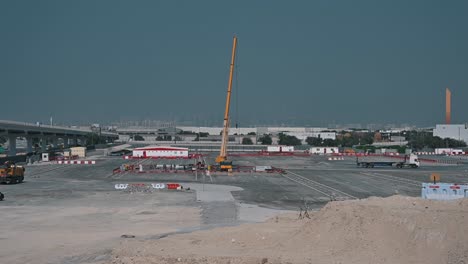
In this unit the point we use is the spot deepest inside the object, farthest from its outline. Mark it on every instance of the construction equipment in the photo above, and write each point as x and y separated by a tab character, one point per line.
11	173
222	159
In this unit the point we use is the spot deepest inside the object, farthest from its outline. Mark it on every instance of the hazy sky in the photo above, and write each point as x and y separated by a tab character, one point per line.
299	62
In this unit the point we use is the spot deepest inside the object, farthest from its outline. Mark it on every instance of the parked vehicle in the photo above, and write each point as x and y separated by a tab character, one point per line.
11	173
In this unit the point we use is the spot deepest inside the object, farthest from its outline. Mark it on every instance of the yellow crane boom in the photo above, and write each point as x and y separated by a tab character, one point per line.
223	152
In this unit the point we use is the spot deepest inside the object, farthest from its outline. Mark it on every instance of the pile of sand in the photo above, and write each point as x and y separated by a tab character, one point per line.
375	230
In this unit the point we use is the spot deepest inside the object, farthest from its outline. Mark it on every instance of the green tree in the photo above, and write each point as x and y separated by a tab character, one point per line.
424	139
330	142
314	141
251	133
365	138
288	140
247	141
265	139
138	138
354	139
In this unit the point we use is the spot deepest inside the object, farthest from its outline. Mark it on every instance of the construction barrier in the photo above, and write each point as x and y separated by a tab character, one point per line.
58	158
444	191
158	186
126	168
271	154
173	186
76	162
190	156
335	158
444	154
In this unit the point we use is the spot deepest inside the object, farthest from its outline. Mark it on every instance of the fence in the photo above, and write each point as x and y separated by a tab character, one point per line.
444	191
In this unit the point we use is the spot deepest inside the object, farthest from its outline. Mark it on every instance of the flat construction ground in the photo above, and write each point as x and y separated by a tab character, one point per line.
73	214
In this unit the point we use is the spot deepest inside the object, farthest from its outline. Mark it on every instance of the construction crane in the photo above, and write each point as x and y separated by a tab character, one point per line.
222	159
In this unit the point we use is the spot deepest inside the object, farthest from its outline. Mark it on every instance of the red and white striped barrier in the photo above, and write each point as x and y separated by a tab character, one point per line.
76	162
425	153
448	153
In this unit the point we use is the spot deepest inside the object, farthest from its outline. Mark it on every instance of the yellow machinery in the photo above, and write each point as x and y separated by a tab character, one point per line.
10	173
222	159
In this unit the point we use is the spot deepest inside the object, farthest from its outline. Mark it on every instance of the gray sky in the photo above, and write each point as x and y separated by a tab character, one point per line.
299	62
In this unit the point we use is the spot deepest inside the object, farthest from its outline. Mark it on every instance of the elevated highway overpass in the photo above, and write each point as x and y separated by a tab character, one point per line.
12	130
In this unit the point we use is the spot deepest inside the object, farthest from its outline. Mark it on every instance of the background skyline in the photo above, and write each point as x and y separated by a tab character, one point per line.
301	63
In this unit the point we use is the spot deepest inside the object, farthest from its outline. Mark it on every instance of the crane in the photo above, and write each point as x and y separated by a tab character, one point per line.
222	159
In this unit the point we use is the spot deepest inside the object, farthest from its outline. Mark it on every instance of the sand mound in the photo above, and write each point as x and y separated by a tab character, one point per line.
376	230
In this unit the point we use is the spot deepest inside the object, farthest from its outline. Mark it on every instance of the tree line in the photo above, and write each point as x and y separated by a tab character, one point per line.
417	140
420	140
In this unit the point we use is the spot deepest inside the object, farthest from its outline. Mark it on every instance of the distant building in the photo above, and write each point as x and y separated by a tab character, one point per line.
397	138
458	132
161	152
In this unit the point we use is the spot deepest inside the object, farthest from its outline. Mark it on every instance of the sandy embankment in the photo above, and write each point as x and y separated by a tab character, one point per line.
375	230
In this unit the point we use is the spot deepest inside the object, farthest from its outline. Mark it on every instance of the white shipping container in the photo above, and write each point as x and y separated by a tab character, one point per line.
324	150
280	148
447	151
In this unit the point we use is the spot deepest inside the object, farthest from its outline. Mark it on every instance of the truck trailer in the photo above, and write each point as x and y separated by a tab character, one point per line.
410	161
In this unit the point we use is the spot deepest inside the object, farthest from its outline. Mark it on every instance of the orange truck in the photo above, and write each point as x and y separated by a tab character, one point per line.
11	173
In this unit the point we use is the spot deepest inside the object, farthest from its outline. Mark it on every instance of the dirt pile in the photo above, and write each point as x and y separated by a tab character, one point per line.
375	230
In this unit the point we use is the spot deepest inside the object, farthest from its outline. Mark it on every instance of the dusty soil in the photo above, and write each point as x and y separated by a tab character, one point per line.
376	230
83	230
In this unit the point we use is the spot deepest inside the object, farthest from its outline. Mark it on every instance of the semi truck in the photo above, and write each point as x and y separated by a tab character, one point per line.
11	173
410	161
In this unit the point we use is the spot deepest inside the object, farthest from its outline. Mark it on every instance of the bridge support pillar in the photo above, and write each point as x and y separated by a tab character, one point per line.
12	142
29	144
83	141
43	144
54	142
65	142
74	141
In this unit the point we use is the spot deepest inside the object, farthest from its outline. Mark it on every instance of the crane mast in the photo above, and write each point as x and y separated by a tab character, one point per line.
225	136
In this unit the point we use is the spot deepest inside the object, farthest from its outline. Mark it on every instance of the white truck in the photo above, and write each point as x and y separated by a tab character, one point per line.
410	161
